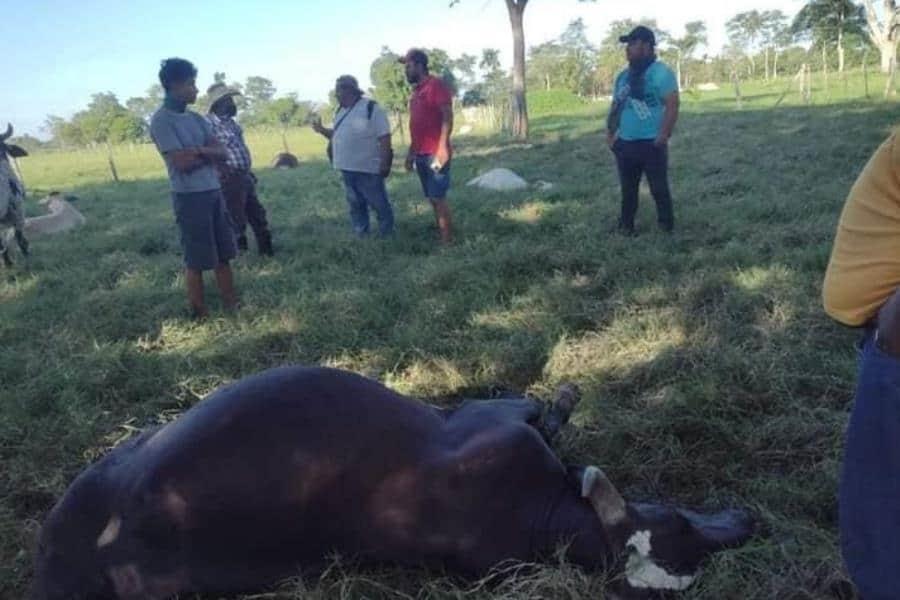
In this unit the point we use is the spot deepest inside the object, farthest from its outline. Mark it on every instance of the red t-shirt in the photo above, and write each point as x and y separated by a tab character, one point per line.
425	118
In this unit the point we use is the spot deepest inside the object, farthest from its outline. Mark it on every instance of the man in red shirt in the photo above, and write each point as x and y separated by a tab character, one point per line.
430	125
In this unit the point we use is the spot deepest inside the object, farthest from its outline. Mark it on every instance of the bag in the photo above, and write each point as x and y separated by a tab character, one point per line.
329	149
390	162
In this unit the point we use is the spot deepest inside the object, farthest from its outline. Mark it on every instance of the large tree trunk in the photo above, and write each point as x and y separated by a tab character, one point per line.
518	106
767	63
775	65
884	33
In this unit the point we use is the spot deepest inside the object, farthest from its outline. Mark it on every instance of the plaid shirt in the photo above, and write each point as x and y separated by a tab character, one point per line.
229	134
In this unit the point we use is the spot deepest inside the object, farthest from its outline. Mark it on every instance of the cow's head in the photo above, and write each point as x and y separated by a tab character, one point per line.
67	563
7	150
661	546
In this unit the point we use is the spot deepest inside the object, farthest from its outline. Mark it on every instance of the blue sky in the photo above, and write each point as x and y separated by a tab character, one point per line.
60	52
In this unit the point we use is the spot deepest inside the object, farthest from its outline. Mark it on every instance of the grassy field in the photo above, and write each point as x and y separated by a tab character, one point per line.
711	377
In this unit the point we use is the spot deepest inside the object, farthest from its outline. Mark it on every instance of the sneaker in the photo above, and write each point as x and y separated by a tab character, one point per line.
623	230
264	243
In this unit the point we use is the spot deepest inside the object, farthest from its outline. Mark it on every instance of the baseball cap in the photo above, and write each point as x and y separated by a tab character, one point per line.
639	33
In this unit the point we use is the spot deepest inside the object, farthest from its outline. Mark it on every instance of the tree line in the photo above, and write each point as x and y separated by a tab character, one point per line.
825	34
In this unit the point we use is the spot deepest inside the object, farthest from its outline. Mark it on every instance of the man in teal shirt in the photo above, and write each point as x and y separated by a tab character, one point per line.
640	123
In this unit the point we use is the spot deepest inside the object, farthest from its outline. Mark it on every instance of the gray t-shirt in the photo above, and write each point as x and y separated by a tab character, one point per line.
355	141
172	131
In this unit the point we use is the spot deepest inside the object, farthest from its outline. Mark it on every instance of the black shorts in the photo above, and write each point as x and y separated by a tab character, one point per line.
207	232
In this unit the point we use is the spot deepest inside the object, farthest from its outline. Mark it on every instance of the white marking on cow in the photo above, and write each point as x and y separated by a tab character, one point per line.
111	532
642	572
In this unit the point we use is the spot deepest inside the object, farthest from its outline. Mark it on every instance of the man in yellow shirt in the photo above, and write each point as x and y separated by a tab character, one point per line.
862	289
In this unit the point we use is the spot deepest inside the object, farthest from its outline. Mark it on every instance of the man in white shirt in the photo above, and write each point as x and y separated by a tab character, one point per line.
361	150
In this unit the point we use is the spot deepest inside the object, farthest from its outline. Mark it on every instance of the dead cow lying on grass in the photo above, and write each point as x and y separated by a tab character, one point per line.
61	216
12	197
284	468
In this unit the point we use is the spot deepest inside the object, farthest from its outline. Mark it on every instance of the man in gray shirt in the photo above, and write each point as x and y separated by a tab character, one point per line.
186	143
361	143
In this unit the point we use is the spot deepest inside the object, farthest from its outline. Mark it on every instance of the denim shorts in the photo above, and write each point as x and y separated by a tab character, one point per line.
206	228
434	184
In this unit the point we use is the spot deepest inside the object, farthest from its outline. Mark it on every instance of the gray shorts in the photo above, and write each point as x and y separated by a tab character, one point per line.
207	233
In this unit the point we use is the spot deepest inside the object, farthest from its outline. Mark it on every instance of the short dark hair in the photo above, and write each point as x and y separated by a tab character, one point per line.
415	55
176	70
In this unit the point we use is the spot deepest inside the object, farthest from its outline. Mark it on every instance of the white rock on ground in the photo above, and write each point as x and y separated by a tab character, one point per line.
500	180
707	87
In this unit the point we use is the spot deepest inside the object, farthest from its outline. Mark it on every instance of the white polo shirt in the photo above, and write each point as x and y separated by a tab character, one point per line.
355	141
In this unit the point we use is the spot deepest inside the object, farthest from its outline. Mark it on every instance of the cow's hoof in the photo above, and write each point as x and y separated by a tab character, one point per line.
23	243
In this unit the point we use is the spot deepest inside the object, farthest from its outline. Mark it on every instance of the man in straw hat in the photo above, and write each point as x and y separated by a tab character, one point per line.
360	140
238	181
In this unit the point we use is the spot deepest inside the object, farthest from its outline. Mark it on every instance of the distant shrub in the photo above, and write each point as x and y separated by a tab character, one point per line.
551	102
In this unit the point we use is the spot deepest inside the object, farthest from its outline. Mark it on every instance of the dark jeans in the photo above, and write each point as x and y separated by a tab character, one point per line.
364	191
239	189
869	501
635	158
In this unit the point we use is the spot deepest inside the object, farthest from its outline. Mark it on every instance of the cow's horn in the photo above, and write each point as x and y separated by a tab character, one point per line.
6	134
604	497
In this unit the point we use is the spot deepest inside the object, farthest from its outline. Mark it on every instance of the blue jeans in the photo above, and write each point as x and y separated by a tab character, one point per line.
364	190
870	482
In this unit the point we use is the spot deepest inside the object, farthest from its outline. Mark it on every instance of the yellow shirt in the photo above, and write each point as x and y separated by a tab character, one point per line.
864	269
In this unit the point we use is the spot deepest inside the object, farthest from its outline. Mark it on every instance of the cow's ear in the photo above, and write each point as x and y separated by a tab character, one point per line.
16	151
